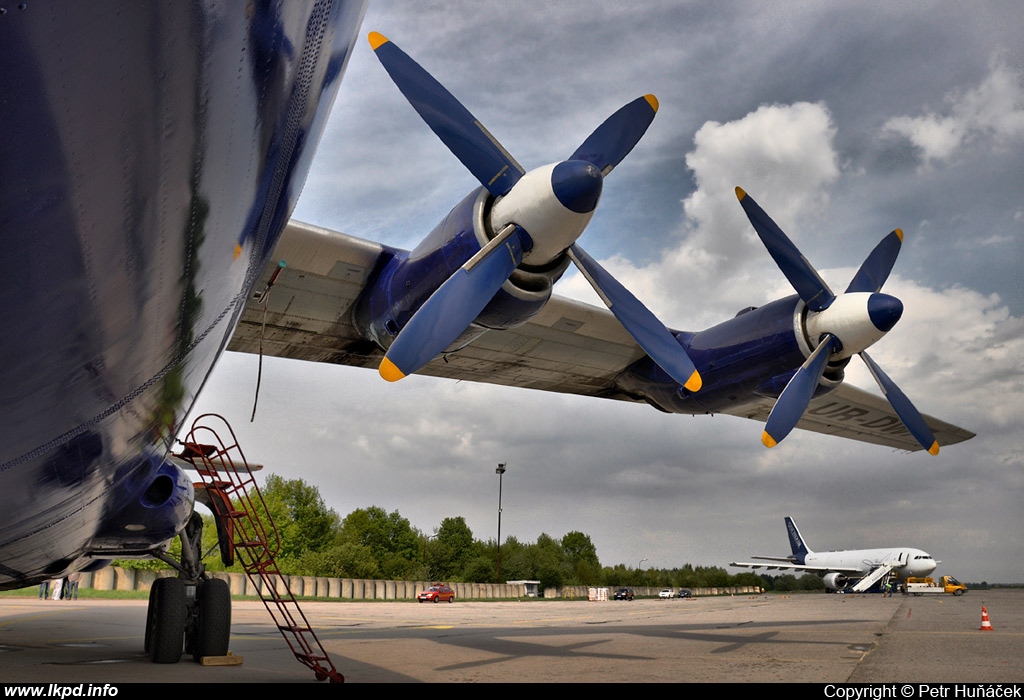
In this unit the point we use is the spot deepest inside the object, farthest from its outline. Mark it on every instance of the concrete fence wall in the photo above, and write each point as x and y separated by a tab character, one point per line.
115	578
584	592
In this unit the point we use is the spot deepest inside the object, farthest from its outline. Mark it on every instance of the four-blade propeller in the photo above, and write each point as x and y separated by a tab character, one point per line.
539	215
841	325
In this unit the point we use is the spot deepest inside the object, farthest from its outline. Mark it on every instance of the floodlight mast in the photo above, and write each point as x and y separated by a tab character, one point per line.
500	471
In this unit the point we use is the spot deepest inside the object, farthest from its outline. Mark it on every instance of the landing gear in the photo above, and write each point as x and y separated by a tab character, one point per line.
190	612
165	620
210	627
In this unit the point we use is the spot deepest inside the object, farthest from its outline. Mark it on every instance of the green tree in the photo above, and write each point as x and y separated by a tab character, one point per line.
481	569
304	523
811	582
516	564
548	561
453	548
389	538
581	558
786	582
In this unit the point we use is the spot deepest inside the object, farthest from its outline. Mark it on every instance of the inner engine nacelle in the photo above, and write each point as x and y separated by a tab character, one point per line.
159	500
835	581
401	286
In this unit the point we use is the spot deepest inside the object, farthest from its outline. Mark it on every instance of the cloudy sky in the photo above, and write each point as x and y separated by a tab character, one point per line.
844	121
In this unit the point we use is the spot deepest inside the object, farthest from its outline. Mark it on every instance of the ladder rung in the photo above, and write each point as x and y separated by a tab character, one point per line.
294	630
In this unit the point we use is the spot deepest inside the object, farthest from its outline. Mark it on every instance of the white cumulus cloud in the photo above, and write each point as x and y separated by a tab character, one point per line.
994	110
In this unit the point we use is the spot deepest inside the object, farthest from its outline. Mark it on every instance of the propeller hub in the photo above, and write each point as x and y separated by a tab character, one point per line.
884	311
857	320
577	185
553	204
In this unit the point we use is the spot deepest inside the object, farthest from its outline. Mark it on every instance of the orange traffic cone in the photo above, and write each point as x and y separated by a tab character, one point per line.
986	626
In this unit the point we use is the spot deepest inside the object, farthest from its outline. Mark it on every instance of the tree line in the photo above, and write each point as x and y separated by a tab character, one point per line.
371	543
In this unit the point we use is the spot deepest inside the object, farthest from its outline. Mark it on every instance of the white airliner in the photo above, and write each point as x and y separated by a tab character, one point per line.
861	567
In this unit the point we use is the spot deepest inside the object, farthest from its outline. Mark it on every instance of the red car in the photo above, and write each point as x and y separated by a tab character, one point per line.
437	593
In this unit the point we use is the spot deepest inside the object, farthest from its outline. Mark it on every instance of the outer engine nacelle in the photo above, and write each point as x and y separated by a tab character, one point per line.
408	279
835	581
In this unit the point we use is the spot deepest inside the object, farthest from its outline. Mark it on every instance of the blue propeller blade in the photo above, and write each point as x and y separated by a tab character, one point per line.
877	266
453	306
459	130
904	409
650	333
797	395
804	278
615	138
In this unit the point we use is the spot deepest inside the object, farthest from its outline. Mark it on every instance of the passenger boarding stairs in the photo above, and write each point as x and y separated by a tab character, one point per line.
879	572
246	530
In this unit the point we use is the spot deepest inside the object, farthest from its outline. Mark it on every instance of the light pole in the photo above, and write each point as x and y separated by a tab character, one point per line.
500	471
640	564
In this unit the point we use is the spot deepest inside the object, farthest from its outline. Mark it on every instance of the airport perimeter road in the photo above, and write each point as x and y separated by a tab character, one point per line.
804	638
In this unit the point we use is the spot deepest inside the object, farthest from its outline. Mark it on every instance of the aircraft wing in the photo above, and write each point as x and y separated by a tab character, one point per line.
853	413
795	567
306	314
568	347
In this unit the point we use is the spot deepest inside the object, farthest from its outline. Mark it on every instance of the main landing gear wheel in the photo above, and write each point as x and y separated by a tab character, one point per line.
211	628
165	621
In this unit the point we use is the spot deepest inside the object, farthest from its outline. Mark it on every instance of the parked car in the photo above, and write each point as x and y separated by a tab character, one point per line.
437	593
684	593
666	593
624	594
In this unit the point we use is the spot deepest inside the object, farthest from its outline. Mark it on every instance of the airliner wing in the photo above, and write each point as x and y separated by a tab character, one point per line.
795	567
856	414
568	347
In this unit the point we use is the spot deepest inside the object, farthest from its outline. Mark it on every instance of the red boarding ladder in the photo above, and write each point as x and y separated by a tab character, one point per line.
239	506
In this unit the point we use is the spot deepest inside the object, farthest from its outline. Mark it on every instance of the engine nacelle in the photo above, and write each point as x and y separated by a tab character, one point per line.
835	581
158	502
407	280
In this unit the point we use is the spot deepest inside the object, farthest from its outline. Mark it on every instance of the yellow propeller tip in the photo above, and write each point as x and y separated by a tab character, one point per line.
694	383
389	371
740	194
238	250
376	40
768	440
899	234
652	101
934	449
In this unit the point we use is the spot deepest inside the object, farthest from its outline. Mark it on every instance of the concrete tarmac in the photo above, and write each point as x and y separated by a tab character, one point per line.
813	638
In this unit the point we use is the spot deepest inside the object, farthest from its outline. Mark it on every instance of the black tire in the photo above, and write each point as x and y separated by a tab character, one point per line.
148	639
452	599
165	621
958	592
437	598
213	619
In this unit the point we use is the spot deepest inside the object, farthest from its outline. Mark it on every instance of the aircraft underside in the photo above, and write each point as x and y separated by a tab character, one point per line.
150	158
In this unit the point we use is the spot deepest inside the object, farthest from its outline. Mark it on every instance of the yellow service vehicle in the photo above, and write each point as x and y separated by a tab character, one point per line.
946	584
